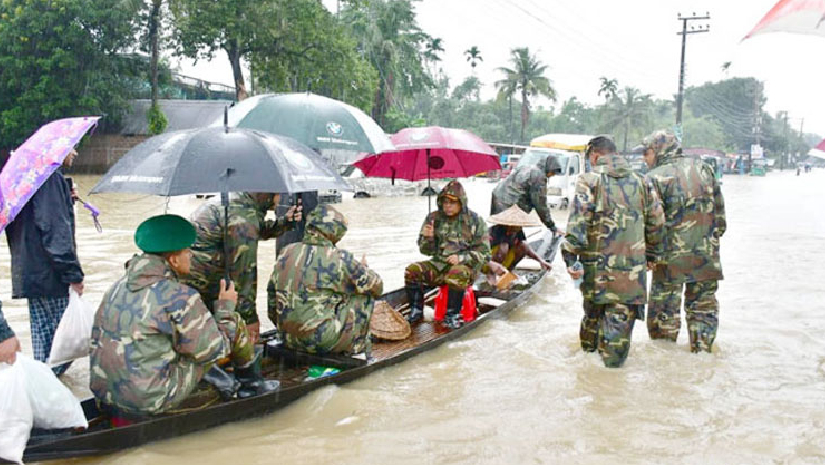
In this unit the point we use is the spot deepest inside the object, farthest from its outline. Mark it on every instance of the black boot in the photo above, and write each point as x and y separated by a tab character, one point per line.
453	319
224	382
252	381
415	296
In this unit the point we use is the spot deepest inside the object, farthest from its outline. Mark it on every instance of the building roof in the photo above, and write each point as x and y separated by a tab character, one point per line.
181	114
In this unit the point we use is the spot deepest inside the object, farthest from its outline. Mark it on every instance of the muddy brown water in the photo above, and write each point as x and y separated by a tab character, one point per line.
519	390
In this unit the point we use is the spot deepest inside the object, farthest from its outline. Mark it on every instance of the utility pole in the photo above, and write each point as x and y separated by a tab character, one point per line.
801	137
782	160
757	121
684	33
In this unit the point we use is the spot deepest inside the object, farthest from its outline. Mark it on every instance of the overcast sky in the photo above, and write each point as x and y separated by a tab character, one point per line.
633	41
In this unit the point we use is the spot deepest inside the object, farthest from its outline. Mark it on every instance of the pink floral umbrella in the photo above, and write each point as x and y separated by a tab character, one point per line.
33	162
431	153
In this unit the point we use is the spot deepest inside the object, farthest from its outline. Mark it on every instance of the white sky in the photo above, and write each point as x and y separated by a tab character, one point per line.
633	41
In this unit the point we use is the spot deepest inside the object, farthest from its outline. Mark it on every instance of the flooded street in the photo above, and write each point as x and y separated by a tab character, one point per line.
520	390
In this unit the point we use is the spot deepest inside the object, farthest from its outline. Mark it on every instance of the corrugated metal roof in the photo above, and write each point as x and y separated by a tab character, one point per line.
181	114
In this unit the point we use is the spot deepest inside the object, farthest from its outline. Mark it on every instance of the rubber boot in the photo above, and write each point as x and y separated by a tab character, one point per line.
224	382
453	319
415	296
252	381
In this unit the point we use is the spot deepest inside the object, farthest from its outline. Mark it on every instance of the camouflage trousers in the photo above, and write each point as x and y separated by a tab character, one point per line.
351	337
436	273
608	328
243	350
701	312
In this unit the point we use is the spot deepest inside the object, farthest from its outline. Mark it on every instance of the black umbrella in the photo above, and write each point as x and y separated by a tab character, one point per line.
221	160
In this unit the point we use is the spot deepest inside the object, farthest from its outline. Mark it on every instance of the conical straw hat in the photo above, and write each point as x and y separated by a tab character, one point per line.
515	216
387	323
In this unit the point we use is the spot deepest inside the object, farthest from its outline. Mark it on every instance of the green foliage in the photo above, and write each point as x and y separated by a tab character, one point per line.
315	52
157	120
731	103
60	59
627	115
527	78
389	37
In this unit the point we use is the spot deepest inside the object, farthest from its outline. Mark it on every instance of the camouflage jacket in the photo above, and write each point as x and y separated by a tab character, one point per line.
464	235
313	279
527	188
615	228
694	218
153	337
246	227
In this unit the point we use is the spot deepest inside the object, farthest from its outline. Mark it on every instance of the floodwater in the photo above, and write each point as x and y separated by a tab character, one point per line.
519	390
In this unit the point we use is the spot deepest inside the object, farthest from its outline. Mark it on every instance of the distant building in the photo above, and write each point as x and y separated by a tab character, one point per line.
103	150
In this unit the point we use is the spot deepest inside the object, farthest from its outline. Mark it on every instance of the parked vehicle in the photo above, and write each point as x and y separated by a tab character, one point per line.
560	188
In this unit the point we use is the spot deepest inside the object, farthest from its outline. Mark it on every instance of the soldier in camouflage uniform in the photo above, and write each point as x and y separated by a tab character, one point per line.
456	239
615	230
527	188
153	339
694	224
247	225
319	296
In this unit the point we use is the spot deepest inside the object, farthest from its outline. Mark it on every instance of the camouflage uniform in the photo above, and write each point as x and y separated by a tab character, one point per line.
320	297
694	223
246	227
153	339
527	188
464	235
615	229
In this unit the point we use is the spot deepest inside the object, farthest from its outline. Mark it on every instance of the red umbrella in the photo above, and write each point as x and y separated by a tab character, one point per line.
796	16
431	153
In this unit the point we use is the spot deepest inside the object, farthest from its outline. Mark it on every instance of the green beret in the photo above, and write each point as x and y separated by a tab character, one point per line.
165	233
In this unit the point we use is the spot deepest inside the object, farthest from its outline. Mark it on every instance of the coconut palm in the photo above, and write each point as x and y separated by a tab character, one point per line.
473	55
608	87
629	107
527	78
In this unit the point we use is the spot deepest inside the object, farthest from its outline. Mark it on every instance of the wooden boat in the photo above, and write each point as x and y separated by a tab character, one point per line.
289	367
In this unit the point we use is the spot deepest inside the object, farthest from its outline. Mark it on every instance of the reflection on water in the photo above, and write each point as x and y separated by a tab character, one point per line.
520	390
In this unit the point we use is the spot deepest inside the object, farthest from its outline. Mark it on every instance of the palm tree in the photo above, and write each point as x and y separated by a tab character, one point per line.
473	56
526	77
630	107
609	87
431	51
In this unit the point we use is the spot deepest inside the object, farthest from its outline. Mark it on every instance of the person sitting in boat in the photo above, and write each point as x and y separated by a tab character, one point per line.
153	339
456	239
527	188
508	247
319	296
247	225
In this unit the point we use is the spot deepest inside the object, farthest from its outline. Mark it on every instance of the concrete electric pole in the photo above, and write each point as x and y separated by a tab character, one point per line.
684	33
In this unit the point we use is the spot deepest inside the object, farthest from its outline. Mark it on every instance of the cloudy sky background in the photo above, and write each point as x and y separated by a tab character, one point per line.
633	41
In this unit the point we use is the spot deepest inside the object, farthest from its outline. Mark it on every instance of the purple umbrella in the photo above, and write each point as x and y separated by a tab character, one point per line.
33	162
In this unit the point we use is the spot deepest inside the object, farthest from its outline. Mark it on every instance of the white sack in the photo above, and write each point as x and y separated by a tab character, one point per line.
52	404
15	411
71	340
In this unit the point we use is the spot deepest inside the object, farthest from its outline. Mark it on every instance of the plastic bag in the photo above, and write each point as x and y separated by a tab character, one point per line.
71	340
52	404
15	411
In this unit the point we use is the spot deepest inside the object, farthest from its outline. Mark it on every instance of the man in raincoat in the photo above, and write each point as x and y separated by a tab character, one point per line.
247	225
44	263
319	296
527	188
694	224
456	239
153	339
615	231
